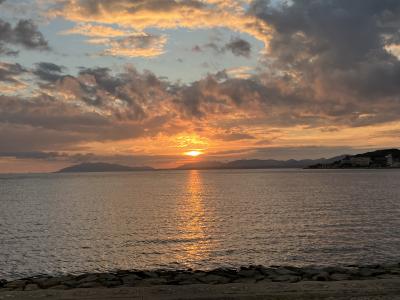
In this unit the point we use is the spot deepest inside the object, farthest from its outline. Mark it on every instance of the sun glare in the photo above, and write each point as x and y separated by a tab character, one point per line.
193	153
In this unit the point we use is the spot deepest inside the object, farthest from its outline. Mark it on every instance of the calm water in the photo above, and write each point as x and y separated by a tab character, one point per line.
59	223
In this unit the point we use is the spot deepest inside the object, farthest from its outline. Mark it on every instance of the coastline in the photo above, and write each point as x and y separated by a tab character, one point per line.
221	276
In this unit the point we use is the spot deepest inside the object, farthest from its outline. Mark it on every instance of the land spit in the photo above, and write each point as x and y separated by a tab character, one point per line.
243	275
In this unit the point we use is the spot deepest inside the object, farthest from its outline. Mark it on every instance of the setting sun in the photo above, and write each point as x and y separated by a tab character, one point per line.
193	153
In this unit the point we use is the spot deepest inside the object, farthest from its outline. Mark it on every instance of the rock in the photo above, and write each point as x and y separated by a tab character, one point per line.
151	282
87	278
332	270
31	287
385	276
91	284
367	272
309	273
267	272
182	277
129	280
214	279
251	273
286	278
189	281
73	283
60	287
285	271
111	283
322	276
149	274
3	282
340	276
225	272
394	271
107	276
45	282
16	284
246	280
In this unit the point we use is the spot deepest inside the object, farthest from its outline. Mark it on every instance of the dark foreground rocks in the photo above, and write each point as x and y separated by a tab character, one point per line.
245	275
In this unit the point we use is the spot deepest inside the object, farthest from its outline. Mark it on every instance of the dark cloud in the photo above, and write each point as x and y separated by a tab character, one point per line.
48	71
25	34
8	72
335	54
239	47
233	136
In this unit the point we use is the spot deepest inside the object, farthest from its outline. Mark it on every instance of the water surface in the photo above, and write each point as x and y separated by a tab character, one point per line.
72	223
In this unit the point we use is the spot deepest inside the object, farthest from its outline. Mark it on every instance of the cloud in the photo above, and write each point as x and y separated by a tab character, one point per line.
25	34
161	14
141	45
48	71
239	47
96	31
9	72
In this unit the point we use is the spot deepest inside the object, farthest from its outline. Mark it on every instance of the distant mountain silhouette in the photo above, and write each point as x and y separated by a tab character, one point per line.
257	164
102	167
381	153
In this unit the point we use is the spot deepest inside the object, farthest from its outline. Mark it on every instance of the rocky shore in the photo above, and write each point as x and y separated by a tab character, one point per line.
247	275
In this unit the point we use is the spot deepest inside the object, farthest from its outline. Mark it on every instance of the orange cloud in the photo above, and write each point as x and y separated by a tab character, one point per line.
96	31
161	14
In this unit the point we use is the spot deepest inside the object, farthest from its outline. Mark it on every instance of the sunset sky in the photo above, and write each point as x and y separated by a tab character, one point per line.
142	82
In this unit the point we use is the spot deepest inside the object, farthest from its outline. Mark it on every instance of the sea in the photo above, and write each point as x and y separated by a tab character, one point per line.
100	222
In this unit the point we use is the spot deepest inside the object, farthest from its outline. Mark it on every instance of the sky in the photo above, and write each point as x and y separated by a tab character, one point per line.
142	82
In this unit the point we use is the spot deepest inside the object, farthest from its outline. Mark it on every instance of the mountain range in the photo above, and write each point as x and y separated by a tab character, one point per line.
102	167
204	165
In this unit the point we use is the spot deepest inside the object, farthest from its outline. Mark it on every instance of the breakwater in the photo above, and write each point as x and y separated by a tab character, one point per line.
250	274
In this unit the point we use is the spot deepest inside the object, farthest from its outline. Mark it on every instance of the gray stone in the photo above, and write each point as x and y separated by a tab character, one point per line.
111	283
368	272
214	279
309	273
16	284
151	282
150	274
71	283
106	276
88	278
31	287
332	270
285	271
340	276
91	284
3	282
268	272
189	282
46	283
322	276
60	287
286	278
183	277
248	273
130	279
246	280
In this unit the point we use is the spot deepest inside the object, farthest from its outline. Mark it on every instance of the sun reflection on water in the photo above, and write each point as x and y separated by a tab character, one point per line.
193	219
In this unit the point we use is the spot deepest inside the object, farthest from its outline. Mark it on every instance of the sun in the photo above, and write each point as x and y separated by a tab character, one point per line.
193	153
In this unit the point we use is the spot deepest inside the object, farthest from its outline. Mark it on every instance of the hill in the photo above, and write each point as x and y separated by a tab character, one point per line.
257	164
102	167
385	158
